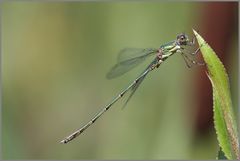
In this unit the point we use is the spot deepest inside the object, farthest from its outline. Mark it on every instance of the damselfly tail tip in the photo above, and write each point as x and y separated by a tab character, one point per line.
63	141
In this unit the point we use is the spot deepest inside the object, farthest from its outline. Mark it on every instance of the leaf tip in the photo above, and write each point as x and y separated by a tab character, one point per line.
195	32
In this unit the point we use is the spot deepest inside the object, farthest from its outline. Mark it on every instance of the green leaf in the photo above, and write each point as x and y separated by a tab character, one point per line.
221	155
224	120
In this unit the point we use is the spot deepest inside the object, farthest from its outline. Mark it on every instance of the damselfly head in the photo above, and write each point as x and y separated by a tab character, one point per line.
182	39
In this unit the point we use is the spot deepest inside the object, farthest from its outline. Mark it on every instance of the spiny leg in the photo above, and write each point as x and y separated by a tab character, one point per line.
196	51
191	43
187	58
193	61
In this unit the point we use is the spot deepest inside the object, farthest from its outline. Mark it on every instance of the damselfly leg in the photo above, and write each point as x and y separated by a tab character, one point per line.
189	56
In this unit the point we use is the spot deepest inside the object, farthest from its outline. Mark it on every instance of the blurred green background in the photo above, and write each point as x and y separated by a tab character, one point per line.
54	60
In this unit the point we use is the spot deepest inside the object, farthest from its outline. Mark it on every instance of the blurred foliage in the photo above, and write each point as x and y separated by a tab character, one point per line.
55	57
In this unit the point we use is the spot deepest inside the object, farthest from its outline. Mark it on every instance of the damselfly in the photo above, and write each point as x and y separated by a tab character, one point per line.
130	57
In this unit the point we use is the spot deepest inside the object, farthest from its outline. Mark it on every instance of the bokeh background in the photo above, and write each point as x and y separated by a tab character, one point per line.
55	56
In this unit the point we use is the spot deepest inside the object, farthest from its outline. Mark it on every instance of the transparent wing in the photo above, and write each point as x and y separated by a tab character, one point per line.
135	87
129	58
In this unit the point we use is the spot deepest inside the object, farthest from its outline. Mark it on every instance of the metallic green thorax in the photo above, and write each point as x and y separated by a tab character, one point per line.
169	49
